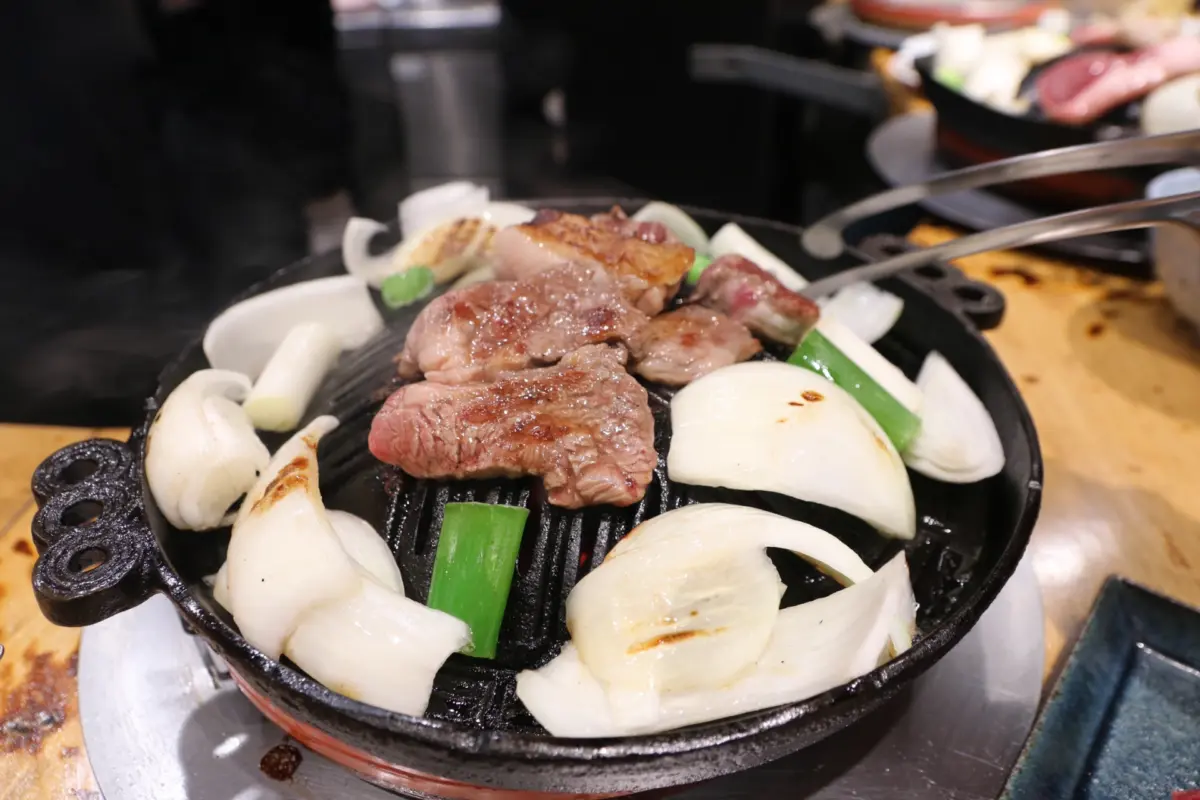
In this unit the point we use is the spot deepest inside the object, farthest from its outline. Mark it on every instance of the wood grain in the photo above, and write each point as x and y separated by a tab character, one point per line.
41	744
1112	378
1110	375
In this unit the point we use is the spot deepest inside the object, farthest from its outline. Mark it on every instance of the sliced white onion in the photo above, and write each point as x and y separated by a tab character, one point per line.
678	221
284	557
290	379
202	453
869	360
814	647
958	441
245	336
448	249
360	541
368	549
428	208
865	309
749	426
480	275
377	646
502	213
356	251
692	586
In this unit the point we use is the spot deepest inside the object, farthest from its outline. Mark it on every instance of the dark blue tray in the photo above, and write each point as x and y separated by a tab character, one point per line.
1123	721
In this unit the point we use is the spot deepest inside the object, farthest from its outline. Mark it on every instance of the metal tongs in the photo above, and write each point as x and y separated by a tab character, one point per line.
824	239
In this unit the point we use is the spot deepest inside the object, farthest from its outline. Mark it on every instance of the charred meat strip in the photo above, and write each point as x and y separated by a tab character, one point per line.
477	332
677	347
649	273
583	425
752	296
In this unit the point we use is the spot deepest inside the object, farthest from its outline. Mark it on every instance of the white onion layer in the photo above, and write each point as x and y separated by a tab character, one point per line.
753	427
245	336
290	379
202	453
810	648
958	441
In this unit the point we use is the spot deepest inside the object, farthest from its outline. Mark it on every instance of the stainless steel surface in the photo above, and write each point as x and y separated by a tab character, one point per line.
847	89
416	15
450	110
1171	212
161	720
824	238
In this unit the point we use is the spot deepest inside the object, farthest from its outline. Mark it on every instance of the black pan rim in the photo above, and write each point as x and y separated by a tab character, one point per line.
471	743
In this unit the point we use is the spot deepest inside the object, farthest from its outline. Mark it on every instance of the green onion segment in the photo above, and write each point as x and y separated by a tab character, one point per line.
820	355
698	266
473	570
408	286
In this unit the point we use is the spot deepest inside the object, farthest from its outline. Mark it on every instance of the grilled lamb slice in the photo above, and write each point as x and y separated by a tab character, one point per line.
477	332
584	425
754	297
617	221
649	273
681	345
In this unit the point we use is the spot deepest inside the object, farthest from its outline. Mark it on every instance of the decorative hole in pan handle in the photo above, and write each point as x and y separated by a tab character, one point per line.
96	554
981	303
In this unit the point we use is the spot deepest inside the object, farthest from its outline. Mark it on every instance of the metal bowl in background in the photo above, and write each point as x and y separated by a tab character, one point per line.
104	547
1176	250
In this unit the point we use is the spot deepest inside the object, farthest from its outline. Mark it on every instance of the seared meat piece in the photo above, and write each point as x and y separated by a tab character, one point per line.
649	273
583	425
617	221
681	345
479	331
754	297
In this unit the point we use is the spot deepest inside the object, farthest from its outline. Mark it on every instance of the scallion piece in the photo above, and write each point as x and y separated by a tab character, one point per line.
822	357
408	286
473	569
698	266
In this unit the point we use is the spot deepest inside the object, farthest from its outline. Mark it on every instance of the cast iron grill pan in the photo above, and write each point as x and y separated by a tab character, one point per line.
969	539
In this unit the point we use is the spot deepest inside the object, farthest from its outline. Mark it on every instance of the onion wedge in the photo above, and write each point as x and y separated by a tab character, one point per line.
428	208
377	646
811	647
202	453
284	557
365	546
244	337
692	586
958	441
767	426
678	221
286	386
863	308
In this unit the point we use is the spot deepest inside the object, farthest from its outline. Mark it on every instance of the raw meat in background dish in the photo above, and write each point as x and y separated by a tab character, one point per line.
477	332
749	294
679	346
584	426
649	273
1082	88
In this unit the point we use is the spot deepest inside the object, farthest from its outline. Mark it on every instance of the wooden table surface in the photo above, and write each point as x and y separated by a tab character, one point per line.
1113	381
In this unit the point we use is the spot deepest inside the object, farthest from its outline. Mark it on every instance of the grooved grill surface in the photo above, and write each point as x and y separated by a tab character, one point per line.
560	546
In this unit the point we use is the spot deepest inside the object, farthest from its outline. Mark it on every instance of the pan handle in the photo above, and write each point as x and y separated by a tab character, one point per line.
824	238
846	89
97	555
1181	211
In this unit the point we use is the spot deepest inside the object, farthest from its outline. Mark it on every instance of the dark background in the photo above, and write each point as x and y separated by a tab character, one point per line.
160	157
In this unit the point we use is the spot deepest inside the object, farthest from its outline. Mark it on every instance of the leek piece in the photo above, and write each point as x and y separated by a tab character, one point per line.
698	266
408	286
473	570
821	356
